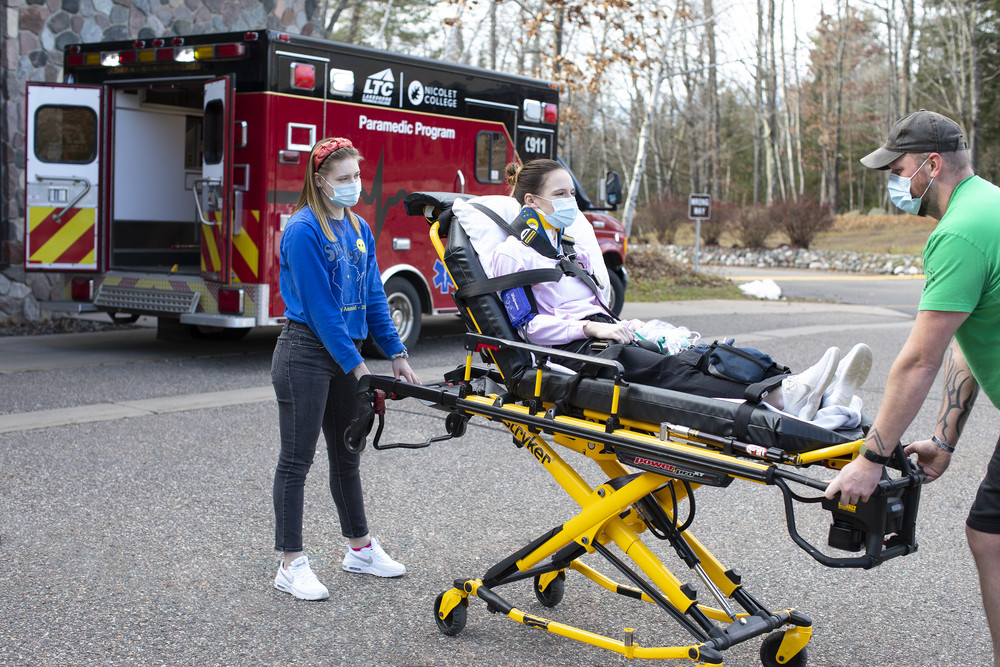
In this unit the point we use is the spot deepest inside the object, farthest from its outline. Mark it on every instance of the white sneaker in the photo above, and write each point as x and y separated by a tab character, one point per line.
849	376
299	580
372	560
803	392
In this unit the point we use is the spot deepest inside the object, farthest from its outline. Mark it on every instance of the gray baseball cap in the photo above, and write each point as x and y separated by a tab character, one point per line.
921	132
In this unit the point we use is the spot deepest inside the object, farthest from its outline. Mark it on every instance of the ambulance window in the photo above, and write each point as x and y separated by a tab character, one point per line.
65	134
491	157
214	132
192	142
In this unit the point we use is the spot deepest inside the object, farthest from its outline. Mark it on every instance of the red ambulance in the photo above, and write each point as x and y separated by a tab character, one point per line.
161	174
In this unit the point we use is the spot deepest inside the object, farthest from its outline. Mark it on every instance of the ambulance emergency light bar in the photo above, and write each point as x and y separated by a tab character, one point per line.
159	51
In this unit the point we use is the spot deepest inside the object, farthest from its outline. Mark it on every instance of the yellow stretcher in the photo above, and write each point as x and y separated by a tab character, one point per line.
655	447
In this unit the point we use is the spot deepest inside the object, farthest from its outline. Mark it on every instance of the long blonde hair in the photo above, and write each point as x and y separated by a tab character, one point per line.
325	152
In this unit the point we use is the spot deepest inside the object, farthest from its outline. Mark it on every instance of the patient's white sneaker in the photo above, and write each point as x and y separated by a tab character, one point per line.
851	373
803	392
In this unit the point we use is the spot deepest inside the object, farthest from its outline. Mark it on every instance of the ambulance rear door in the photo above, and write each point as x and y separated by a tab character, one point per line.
63	179
213	192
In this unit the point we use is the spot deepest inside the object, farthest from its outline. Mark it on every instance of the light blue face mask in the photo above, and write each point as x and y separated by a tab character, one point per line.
344	195
564	212
899	191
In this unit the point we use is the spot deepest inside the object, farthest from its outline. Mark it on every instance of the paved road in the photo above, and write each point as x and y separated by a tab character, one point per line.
897	292
900	293
135	518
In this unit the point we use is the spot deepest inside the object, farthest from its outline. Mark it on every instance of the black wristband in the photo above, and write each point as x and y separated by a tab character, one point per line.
874	457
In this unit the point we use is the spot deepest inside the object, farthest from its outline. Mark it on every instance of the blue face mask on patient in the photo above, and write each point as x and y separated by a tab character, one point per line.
564	212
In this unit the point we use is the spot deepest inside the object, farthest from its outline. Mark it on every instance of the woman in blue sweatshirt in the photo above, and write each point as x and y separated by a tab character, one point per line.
332	289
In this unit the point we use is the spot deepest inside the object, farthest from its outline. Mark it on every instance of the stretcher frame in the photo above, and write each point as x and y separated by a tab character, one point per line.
651	468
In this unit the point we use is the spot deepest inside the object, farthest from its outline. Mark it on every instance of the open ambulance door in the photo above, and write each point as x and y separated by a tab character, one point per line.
62	188
213	191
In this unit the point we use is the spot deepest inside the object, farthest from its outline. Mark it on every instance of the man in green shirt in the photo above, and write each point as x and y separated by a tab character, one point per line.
930	174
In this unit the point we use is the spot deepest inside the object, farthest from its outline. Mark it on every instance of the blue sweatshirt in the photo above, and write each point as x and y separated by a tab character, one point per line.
335	288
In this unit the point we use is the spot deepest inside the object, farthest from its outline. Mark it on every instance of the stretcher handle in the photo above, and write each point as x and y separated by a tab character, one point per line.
871	514
476	342
373	390
911	476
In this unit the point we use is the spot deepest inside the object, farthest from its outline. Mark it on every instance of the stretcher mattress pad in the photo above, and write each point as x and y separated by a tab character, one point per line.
653	405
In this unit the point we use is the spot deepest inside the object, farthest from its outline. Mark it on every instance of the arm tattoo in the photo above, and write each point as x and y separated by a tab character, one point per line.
878	445
960	392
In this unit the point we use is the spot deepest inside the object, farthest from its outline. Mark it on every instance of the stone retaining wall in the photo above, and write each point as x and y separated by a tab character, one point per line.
34	34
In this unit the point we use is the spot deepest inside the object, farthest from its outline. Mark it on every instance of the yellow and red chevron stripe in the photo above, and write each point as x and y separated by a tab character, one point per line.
211	262
247	256
71	240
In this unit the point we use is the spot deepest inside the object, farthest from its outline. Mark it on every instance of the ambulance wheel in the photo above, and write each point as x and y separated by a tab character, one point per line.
219	333
769	653
404	309
617	292
454	622
552	595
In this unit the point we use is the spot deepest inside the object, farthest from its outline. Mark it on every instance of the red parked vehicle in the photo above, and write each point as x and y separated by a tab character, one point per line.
161	174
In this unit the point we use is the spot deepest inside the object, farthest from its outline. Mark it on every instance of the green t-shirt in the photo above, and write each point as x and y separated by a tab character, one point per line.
962	269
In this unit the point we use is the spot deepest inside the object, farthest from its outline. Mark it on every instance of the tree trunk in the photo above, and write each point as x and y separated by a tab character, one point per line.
714	171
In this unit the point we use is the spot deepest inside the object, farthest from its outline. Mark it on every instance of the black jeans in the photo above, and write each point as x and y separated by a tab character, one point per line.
313	394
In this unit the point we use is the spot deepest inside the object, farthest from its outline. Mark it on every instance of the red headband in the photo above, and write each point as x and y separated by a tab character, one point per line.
323	150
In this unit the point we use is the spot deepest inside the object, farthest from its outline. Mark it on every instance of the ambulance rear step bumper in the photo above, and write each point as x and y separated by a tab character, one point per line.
139	300
68	306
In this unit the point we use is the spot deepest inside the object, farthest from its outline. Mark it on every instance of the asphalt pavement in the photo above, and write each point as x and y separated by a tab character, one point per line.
136	522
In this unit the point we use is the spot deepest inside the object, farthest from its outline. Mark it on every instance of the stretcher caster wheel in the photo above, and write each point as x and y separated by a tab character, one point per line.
553	593
455	425
454	622
769	653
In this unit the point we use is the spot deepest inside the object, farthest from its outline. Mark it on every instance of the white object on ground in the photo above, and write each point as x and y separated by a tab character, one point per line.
762	289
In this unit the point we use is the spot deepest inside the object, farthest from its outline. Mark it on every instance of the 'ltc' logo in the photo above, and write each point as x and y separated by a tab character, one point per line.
379	88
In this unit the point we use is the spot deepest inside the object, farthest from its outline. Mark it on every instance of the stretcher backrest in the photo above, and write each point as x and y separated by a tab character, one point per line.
483	314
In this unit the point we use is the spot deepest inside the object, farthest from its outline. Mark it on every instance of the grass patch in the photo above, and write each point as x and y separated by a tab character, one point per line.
652	277
896	234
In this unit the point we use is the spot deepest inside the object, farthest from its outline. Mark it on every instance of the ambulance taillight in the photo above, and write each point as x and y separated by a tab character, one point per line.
231	301
82	289
551	114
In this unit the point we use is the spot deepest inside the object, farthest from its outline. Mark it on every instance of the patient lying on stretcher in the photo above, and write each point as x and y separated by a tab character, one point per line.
570	313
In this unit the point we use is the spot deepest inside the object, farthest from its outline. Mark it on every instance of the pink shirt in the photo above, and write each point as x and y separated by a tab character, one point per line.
561	305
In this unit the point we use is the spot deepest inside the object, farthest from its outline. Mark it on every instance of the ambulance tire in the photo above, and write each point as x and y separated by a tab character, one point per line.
404	309
617	292
215	333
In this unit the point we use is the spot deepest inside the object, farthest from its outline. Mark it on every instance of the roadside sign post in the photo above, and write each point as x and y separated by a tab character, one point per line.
699	208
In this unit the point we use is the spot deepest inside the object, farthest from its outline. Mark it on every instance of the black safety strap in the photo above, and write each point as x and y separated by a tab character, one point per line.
753	396
501	283
531	238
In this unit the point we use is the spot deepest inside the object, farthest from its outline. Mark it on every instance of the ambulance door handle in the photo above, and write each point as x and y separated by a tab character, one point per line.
74	181
460	177
196	187
241	128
